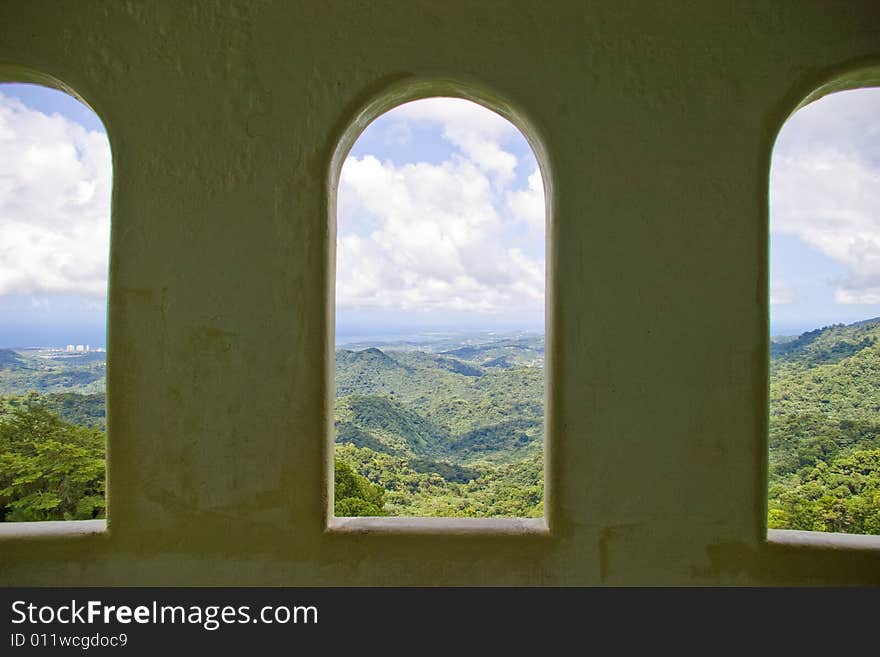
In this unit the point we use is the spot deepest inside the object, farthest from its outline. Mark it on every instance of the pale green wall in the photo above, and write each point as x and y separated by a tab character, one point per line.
658	119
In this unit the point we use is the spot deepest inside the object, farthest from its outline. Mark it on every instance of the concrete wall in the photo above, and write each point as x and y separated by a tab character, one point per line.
658	120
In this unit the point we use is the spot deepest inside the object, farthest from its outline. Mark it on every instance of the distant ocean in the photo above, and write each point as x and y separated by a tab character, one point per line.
22	336
28	335
798	328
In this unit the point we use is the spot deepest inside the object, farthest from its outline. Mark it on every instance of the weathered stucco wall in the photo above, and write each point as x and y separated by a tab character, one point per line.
658	120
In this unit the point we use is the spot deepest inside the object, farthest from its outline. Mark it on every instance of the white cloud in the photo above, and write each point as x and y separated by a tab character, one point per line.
55	180
781	294
825	186
478	132
863	295
442	236
528	204
437	243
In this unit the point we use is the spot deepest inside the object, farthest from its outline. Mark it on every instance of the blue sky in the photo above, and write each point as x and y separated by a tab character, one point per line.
440	224
55	183
441	220
825	214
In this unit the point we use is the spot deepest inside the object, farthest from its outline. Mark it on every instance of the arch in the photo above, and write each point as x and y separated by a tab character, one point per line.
859	75
377	104
19	74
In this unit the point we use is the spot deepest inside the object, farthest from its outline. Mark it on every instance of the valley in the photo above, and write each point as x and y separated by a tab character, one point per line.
439	425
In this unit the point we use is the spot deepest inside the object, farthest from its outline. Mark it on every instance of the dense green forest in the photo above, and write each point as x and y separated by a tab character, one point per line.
445	429
825	430
52	443
455	428
51	372
50	469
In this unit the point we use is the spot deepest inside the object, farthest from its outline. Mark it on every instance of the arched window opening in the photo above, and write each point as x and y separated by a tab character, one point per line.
55	183
824	424
440	321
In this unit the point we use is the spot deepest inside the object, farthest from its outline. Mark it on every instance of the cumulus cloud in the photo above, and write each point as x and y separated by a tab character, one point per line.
781	294
825	187
428	237
528	204
55	179
475	130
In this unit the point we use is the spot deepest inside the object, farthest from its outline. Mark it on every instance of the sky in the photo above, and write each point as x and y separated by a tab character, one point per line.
440	224
55	183
825	214
440	220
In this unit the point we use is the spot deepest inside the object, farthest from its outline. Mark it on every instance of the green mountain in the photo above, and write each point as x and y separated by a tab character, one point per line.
825	416
11	360
423	403
46	371
392	427
446	429
825	345
445	432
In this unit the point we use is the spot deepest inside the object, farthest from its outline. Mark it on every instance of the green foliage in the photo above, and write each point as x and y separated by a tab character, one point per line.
459	431
506	437
824	429
49	469
825	345
454	433
843	496
11	359
449	471
52	445
392	423
514	490
85	410
49	372
355	496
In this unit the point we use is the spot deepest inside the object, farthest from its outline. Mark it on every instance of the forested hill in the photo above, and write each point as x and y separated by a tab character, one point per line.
420	403
51	371
10	359
455	428
825	429
445	431
825	345
52	443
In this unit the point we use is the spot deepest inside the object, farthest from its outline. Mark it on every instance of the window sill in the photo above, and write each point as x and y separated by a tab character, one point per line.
444	526
51	529
822	540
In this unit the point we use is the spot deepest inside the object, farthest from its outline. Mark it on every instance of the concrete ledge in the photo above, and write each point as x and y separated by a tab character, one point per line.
822	540
446	526
51	529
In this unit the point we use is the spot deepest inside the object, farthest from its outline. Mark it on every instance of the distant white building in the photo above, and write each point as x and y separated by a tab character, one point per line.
80	347
70	347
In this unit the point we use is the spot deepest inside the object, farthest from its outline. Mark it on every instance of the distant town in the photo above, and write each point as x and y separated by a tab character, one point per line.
60	352
82	347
